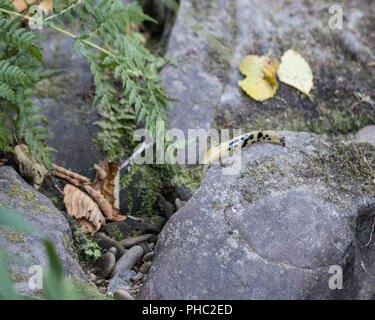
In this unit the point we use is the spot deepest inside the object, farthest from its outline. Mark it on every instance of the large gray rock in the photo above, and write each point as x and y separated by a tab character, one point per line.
25	250
273	230
366	134
66	99
209	39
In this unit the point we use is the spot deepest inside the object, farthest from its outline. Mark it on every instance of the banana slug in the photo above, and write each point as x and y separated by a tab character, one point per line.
223	149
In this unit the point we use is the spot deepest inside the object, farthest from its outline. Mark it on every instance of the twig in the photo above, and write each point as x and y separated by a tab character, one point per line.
130	242
372	231
65	172
136	218
143	146
56	186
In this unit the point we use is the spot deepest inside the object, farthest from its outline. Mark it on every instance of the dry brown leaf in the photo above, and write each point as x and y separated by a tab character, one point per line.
3	162
28	166
70	176
107	183
101	201
81	207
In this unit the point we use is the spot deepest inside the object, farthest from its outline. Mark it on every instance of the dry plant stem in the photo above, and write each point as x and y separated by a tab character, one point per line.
143	146
60	171
100	200
136	218
72	181
55	185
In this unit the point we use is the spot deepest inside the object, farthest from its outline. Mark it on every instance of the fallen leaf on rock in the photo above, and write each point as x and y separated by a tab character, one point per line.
28	166
81	207
260	83
296	72
45	5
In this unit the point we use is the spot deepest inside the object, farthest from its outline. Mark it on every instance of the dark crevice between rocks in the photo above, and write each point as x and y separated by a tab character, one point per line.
159	32
365	241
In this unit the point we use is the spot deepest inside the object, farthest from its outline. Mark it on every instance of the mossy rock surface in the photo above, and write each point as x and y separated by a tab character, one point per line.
211	38
272	229
139	190
24	250
88	291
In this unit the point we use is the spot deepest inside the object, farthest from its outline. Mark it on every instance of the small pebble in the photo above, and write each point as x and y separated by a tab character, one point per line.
148	256
129	259
137	278
122	294
179	203
92	277
145	267
106	263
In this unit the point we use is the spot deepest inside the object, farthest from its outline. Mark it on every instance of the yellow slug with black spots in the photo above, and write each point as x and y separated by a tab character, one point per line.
225	148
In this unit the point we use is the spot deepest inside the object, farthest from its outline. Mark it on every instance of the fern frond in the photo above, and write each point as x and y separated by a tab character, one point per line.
18	73
125	73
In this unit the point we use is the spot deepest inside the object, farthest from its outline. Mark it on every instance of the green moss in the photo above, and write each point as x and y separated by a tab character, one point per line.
17	277
343	168
262	175
56	86
67	244
16	190
190	178
350	165
328	118
142	186
157	220
88	291
117	234
13	236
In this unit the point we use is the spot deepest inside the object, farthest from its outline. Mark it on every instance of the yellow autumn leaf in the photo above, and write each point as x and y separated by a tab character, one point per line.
45	5
260	83
296	72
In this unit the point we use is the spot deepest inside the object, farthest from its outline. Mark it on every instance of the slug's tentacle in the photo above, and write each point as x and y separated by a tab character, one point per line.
225	148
